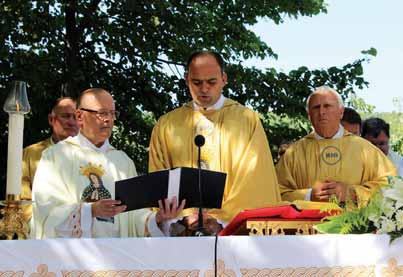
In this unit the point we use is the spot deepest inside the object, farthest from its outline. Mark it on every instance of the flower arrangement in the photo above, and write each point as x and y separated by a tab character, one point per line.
382	215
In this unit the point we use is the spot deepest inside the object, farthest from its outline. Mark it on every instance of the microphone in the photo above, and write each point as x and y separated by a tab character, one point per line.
199	142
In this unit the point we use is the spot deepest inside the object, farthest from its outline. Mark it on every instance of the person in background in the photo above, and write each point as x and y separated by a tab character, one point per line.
351	121
376	130
331	162
62	121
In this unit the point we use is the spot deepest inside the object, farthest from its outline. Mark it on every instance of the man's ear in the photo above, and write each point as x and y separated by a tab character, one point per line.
79	116
342	113
186	78
309	116
225	78
50	119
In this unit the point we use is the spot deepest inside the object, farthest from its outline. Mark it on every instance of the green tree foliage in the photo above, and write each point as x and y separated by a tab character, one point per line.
137	49
397	125
359	105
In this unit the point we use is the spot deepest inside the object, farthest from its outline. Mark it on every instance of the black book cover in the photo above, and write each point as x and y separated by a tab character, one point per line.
144	191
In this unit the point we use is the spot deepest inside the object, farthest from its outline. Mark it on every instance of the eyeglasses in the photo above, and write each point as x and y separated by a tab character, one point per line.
103	114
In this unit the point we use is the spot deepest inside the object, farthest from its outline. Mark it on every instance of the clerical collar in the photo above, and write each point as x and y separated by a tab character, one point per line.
339	134
86	143
218	105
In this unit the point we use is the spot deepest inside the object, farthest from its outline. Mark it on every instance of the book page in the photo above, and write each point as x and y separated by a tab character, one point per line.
173	183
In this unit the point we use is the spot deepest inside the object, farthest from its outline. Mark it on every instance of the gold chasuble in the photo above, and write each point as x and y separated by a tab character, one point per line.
349	159
235	144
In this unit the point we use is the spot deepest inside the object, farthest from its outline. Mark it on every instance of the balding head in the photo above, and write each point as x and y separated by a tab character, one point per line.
62	119
96	115
91	92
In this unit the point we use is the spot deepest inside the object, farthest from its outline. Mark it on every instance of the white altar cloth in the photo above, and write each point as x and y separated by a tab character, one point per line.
318	255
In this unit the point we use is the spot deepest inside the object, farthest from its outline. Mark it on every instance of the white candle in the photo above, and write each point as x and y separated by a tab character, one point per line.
14	158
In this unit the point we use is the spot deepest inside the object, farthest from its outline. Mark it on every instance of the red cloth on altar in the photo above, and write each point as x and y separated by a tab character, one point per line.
282	212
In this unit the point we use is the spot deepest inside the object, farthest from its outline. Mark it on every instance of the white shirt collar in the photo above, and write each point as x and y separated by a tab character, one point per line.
339	134
86	143
218	105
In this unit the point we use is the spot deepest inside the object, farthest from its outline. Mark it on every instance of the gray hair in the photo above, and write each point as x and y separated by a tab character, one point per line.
323	90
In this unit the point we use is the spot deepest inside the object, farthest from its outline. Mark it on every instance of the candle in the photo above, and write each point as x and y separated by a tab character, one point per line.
16	106
14	158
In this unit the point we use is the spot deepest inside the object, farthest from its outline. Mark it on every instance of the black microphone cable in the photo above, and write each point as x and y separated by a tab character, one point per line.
215	255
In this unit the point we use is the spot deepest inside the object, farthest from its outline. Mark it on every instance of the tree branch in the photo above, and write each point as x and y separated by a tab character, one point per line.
89	14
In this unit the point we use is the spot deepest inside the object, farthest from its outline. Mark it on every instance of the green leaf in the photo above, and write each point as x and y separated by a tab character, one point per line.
372	51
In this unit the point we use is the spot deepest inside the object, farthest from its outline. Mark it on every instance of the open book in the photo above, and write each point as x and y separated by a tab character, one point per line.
144	191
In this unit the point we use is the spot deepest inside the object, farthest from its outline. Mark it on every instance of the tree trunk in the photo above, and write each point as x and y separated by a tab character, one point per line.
72	52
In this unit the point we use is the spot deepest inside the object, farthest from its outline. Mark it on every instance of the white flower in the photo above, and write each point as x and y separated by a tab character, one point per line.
388	207
387	226
399	219
395	192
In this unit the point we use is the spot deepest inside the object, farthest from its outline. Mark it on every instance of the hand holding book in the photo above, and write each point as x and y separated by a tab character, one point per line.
107	208
168	209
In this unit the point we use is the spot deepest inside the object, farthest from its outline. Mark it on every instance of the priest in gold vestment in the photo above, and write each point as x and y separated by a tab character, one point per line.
63	124
331	161
235	140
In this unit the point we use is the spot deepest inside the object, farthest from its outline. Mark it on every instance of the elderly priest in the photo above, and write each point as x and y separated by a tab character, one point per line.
74	182
331	162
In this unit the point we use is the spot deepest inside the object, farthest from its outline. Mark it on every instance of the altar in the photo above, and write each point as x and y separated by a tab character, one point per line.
319	255
268	251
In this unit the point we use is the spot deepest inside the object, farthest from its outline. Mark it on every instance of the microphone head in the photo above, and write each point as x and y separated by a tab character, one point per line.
199	140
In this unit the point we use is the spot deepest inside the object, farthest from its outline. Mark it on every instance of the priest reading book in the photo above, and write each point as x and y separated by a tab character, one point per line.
235	143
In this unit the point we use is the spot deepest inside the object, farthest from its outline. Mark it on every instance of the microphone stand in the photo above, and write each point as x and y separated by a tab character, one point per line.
199	141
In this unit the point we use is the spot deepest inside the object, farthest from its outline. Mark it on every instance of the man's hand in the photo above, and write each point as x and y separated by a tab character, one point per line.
107	208
323	191
168	209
